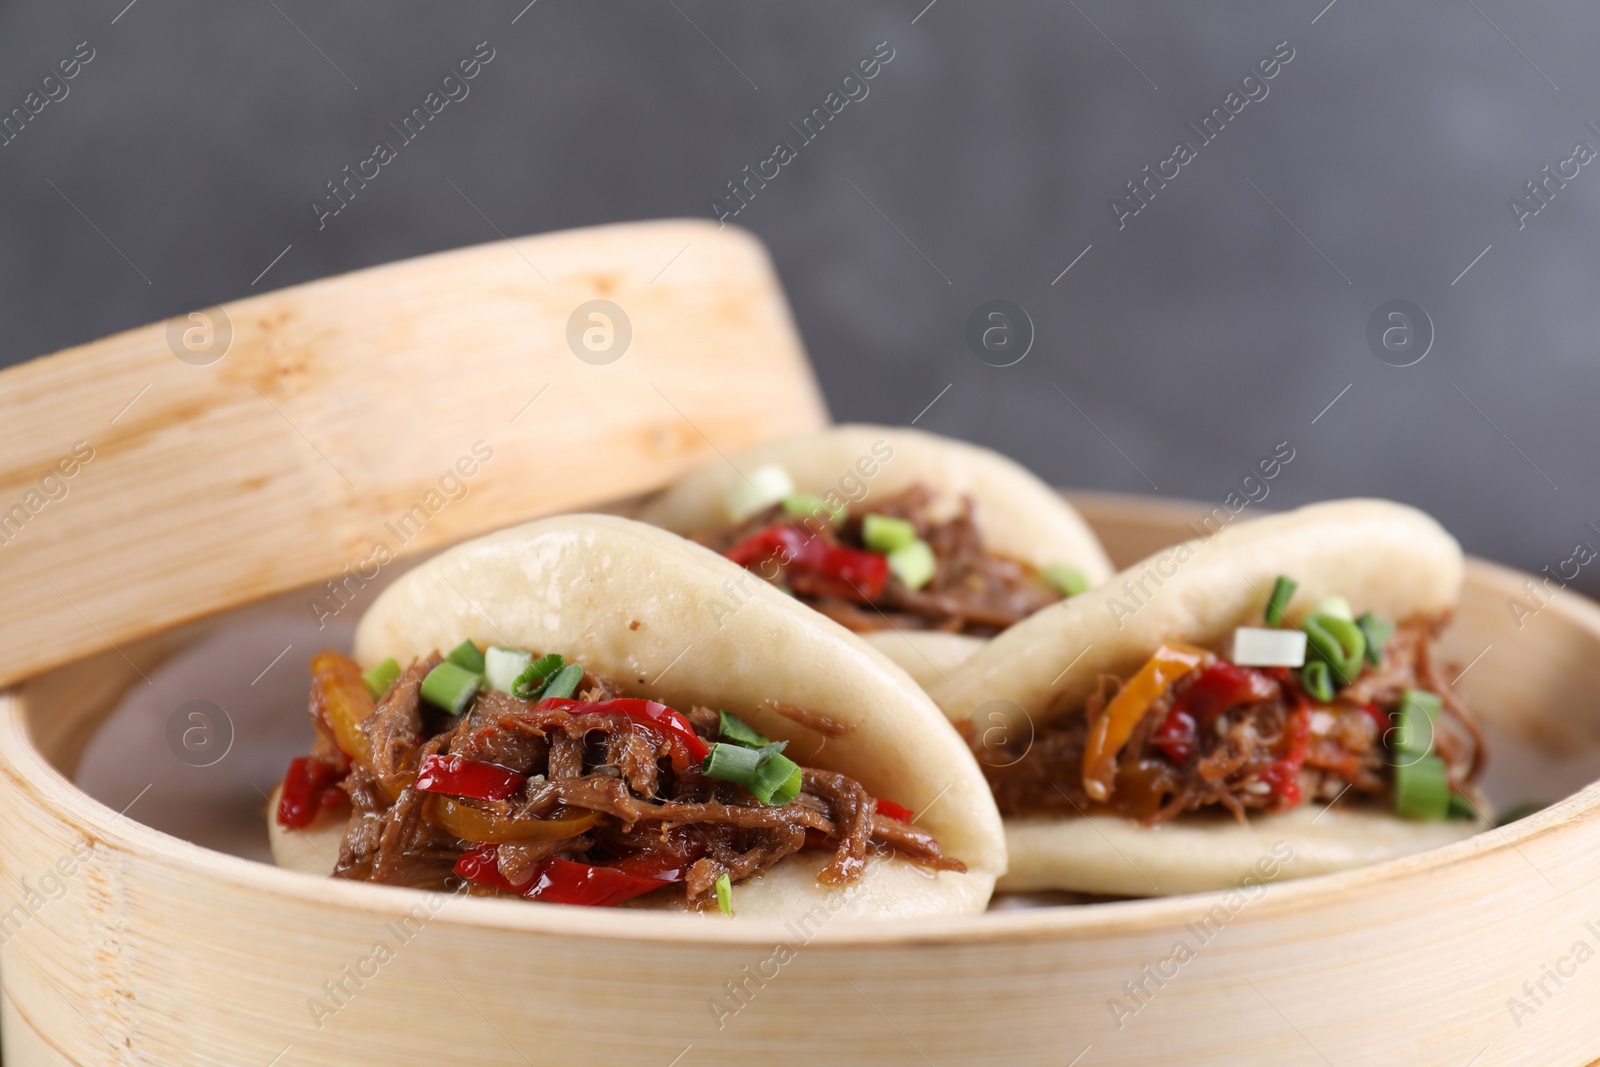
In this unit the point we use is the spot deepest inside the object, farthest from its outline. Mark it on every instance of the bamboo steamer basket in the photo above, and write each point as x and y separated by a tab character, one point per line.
157	951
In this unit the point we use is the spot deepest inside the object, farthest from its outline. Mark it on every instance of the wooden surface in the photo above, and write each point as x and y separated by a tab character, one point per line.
341	404
160	952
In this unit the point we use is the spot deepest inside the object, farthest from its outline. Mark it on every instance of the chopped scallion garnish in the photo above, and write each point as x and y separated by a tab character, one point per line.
564	684
381	677
1282	592
1338	643
913	564
1422	788
1461	808
1418	711
1254	646
1066	580
771	777
725	893
466	655
1377	632
805	505
1314	676
885	534
503	666
738	731
764	487
1337	606
531	682
451	686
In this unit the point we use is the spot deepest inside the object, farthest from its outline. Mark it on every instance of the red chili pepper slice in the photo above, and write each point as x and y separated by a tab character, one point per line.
481	864
1219	688
659	867
309	787
851	572
558	881
459	777
894	811
648	712
1283	775
1223	686
568	882
1175	736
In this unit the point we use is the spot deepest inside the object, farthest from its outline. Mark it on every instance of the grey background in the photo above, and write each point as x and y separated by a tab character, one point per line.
1222	320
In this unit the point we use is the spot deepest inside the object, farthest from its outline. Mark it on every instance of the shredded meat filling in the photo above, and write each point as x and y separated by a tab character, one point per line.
973	591
601	764
1267	755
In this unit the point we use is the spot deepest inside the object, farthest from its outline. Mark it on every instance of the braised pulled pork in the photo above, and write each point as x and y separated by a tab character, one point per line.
972	590
1188	755
595	787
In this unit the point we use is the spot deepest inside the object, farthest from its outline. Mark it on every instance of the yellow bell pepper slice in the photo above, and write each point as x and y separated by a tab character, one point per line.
1114	725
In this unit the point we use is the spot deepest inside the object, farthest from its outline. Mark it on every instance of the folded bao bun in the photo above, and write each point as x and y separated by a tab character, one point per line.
1383	557
632	604
1019	516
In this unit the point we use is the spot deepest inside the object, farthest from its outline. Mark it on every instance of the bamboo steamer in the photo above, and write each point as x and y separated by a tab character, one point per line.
143	948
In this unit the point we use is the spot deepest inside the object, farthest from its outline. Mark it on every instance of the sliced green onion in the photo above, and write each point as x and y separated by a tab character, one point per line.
1422	789
771	777
563	685
531	682
805	505
1282	592
381	677
1377	632
451	687
1255	646
1337	642
764	487
882	533
1418	711
778	781
1314	676
503	666
1521	811
1461	808
1066	580
731	763
913	564
1337	606
725	893
738	731
466	655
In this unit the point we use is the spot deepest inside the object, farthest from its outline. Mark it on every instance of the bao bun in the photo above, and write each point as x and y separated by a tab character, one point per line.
1019	516
633	604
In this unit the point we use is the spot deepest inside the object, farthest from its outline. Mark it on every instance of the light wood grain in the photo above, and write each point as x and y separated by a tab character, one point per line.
341	404
161	952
